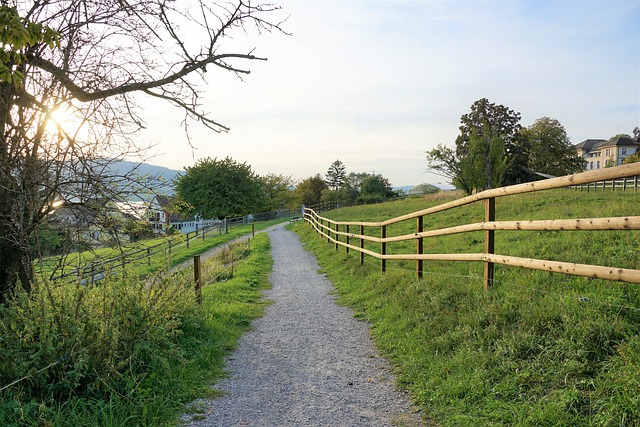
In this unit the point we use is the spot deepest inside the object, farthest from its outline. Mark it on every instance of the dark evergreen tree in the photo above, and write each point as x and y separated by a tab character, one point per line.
336	175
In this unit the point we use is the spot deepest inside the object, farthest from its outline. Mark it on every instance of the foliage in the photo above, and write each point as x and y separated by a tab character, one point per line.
484	165
376	185
488	120
17	37
550	150
124	353
220	188
538	349
72	79
277	191
309	191
336	175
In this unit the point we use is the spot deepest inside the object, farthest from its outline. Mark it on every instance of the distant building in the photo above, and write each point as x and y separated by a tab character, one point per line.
600	153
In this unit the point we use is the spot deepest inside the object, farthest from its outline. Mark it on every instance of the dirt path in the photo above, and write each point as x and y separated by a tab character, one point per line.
307	362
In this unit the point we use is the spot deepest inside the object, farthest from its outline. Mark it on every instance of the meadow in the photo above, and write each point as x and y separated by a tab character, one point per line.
538	348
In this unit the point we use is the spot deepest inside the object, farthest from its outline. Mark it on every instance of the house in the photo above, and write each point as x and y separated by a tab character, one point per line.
158	213
161	219
600	153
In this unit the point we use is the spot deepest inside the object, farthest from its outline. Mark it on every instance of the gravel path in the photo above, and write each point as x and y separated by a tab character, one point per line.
307	362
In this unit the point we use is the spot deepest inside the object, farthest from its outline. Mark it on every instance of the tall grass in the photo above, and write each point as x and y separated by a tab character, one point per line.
537	349
124	353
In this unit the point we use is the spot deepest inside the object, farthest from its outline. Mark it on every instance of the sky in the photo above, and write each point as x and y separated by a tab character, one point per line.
376	84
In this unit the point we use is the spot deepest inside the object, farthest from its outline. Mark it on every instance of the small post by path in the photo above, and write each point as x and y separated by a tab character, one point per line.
253	230
197	278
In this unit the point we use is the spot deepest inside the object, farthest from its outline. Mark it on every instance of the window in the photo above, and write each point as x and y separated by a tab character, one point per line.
598	165
623	151
590	165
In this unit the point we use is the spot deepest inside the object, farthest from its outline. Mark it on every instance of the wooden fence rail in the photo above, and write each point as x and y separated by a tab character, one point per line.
331	229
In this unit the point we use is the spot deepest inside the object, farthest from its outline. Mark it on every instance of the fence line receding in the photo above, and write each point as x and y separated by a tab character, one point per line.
332	229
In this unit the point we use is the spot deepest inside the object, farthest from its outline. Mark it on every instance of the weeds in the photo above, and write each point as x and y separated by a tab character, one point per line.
123	353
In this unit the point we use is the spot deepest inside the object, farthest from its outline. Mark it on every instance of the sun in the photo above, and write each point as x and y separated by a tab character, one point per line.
62	120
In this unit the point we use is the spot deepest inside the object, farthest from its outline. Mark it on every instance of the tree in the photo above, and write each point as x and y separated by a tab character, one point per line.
220	188
550	150
484	165
277	191
491	120
376	185
94	61
309	190
336	175
443	161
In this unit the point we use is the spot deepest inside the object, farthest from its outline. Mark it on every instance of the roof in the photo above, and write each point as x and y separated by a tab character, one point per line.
595	144
623	141
163	201
590	144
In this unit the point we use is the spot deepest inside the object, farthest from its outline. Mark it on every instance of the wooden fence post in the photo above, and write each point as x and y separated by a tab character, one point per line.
489	240
187	240
253	230
148	256
362	245
347	239
336	236
383	248
203	232
197	278
419	244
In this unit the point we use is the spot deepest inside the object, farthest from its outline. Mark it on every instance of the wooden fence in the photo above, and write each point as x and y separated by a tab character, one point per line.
623	184
332	230
94	271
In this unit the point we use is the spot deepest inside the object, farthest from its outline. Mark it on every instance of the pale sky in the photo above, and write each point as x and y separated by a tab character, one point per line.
378	83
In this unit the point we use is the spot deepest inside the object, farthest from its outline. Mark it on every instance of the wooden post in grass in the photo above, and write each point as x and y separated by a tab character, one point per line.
197	278
148	256
336	237
489	240
187	240
361	245
347	239
419	244
253	230
383	248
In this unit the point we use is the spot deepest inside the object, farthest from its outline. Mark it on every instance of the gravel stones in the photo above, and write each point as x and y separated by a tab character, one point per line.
307	362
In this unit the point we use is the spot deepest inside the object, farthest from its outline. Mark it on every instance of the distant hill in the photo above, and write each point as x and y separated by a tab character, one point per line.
146	170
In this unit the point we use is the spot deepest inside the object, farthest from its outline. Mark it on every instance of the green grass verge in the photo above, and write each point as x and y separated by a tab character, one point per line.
123	354
537	349
162	260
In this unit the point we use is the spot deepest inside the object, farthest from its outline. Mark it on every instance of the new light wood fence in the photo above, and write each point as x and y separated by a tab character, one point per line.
351	231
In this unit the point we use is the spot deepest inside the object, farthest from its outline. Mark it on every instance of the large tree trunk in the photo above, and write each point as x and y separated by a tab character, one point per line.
16	269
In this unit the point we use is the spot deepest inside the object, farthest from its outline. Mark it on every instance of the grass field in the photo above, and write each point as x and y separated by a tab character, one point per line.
538	349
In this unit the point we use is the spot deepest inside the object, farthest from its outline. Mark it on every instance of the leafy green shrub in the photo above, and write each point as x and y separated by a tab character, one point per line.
66	342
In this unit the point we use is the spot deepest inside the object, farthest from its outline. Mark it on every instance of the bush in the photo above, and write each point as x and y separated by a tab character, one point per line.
75	342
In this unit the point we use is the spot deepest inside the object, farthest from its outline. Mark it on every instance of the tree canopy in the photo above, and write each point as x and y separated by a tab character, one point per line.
94	62
220	188
493	149
550	150
309	190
